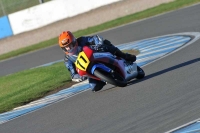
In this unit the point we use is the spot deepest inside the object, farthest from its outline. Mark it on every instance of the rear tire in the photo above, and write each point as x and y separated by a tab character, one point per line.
141	73
112	78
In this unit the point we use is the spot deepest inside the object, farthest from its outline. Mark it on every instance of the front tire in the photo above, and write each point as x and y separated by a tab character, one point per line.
112	78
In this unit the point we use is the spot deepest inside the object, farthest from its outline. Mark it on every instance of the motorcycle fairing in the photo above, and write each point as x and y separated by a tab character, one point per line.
108	58
106	62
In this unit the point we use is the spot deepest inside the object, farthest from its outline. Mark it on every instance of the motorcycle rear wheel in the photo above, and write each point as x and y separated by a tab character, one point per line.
112	78
141	73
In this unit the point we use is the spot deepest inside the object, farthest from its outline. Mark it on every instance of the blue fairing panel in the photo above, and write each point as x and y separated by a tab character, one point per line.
101	66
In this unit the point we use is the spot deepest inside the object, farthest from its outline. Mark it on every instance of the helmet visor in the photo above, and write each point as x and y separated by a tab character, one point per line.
68	47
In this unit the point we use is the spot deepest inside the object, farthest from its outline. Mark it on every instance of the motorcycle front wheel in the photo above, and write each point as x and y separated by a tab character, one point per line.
112	78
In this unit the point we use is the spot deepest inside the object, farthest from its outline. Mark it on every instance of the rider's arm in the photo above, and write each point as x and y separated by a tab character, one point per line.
94	41
71	67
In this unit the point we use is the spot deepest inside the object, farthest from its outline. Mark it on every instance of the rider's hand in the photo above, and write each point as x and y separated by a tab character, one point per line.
103	48
78	78
107	42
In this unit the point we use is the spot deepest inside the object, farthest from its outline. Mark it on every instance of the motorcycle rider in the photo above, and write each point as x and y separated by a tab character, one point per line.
72	46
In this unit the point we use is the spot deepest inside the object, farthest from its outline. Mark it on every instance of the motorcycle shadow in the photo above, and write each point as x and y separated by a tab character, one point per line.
108	87
135	81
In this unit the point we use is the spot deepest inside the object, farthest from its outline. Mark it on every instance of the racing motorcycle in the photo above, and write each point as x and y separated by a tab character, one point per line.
106	67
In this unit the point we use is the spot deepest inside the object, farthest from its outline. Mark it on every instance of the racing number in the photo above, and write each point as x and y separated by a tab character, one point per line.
82	61
78	63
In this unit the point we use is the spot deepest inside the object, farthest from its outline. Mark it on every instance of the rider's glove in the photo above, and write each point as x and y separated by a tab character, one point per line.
106	46
107	42
103	48
78	78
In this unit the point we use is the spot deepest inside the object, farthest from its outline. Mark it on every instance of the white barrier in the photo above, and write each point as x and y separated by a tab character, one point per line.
49	12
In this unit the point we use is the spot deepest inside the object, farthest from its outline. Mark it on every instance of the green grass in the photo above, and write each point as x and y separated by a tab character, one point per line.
11	6
29	49
22	87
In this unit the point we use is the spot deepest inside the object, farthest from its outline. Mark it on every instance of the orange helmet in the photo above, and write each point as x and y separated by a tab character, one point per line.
68	42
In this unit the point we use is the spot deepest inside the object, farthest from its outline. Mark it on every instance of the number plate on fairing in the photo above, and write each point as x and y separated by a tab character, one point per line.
82	61
131	71
130	68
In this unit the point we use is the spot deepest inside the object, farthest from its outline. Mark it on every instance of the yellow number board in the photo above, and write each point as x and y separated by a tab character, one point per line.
82	61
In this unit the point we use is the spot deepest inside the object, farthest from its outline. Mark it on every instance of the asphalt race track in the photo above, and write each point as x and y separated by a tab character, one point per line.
167	98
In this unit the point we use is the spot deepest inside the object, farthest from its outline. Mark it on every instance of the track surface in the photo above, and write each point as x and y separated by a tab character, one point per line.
167	98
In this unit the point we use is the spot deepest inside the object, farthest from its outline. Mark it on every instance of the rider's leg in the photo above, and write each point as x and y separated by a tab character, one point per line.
126	56
115	51
96	85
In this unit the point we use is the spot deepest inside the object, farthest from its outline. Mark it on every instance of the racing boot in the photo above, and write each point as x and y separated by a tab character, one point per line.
108	47
96	85
126	56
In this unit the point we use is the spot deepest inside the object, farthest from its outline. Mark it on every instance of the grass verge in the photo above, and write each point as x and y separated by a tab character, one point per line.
23	87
